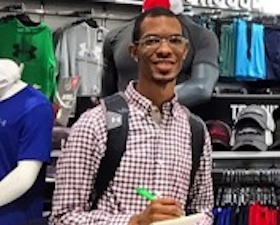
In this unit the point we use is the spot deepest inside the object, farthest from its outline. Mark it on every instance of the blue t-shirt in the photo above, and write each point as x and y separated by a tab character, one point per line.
26	121
250	50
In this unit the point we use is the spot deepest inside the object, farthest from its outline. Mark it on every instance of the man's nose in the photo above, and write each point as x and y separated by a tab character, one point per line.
164	48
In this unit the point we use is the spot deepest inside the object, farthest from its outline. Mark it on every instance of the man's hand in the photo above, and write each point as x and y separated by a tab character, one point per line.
158	210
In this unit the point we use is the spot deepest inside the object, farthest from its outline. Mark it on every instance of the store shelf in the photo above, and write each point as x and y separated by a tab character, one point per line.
246	155
247	96
223	154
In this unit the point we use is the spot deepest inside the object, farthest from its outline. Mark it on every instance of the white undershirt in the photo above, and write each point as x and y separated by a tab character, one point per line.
11	89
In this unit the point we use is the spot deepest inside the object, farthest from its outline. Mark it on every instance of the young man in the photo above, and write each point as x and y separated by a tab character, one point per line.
158	148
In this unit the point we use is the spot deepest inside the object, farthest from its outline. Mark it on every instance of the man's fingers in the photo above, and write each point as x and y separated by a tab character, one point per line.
162	217
165	207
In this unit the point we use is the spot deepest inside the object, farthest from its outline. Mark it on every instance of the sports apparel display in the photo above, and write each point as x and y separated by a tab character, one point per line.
227	50
79	53
250	51
254	199
26	121
220	134
276	133
253	129
272	39
249	48
32	46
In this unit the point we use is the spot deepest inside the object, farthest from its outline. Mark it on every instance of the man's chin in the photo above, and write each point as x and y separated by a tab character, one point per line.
163	80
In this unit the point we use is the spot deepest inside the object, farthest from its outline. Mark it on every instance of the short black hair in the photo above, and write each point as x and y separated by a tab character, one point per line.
154	12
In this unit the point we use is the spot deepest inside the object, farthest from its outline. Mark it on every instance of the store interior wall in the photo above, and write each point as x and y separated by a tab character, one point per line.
124	12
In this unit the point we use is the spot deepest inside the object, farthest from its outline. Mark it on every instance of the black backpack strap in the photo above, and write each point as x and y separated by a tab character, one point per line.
117	125
197	132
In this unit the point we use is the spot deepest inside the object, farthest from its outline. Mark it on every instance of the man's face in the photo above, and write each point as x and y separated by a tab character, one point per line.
161	49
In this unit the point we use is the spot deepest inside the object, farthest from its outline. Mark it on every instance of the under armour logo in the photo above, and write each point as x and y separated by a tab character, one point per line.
84	51
24	52
3	122
114	120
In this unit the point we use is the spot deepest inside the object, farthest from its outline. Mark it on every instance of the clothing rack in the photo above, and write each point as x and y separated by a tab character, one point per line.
212	10
13	7
189	6
247	176
245	172
20	8
242	186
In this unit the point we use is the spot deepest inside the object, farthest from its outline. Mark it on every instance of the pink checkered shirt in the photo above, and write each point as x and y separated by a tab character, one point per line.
158	157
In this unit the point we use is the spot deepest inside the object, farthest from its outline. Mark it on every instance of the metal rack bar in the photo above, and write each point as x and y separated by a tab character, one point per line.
64	13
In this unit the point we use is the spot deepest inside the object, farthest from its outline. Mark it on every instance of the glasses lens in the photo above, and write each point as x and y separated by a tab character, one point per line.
175	41
151	41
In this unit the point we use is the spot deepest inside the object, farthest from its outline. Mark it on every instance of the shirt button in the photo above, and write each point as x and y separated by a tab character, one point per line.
160	161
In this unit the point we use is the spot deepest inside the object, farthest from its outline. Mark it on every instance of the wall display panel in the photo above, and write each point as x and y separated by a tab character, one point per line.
226	107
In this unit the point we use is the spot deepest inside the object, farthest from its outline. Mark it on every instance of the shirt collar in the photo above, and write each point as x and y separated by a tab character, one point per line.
145	105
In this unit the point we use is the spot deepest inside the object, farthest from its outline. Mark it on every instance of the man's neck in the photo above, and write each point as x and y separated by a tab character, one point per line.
11	90
158	94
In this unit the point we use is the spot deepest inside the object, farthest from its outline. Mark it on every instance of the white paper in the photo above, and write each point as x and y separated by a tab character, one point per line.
184	220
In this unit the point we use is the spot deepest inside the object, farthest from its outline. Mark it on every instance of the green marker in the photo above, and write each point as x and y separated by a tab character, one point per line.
143	192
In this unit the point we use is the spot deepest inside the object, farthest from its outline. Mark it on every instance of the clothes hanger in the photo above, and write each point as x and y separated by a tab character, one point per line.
26	20
91	22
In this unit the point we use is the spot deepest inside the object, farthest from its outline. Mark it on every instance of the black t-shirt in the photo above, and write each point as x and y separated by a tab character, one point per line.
120	68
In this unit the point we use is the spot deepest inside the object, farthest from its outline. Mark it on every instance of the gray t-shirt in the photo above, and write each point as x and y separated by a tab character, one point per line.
79	53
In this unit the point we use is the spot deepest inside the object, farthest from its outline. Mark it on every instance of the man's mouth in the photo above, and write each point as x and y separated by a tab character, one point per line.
165	61
164	65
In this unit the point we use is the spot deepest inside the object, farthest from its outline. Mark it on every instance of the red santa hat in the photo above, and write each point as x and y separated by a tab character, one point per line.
176	6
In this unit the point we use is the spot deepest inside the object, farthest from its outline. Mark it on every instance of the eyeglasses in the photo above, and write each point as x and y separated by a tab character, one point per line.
153	42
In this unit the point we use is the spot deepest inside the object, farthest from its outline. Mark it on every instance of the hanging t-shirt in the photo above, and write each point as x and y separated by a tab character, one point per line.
33	46
21	117
79	53
250	51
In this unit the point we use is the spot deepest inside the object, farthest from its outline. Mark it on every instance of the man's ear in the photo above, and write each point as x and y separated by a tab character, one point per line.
186	51
133	52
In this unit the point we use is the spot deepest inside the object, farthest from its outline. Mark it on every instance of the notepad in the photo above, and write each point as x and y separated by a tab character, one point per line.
184	220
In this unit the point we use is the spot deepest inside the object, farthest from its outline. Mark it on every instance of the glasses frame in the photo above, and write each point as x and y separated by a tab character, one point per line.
143	41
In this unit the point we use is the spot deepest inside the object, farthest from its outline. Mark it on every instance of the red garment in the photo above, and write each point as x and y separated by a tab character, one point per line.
278	217
259	215
252	214
273	217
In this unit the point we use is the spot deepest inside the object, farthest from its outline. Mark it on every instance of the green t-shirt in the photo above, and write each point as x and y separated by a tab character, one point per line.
32	46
